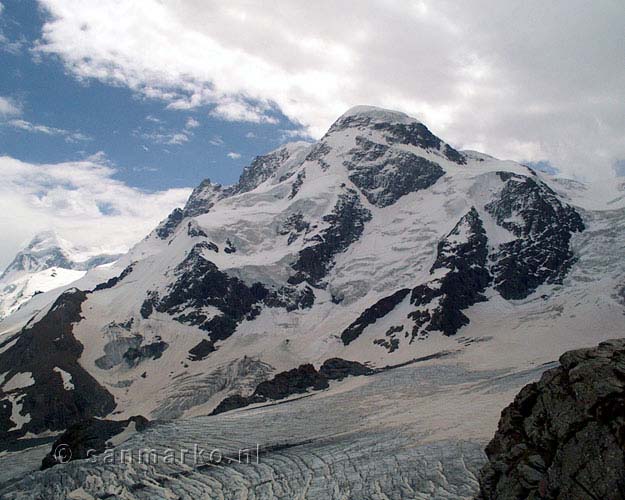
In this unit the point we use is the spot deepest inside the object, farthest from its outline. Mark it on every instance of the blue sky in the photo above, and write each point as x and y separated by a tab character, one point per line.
151	146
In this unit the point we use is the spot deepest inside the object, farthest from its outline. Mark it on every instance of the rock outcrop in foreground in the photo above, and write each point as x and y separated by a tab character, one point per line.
564	436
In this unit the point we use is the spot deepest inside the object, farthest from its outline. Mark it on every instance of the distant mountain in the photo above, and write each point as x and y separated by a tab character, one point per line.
392	291
46	263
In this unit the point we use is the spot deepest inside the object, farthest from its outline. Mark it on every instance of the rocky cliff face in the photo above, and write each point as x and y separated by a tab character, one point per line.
564	436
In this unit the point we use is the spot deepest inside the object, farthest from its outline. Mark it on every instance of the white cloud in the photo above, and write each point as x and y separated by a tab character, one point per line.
216	140
68	198
191	123
233	156
68	135
238	111
530	81
153	119
8	107
170	137
167	137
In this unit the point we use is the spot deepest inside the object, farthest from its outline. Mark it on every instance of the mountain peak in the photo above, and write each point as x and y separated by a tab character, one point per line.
378	114
46	240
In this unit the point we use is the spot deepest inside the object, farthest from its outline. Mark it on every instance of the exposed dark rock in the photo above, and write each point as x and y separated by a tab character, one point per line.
414	134
116	279
201	350
620	294
291	298
194	230
236	401
261	169
391	344
390	340
46	401
299	380
200	284
346	224
297	184
295	381
147	308
454	155
564	436
166	228
229	248
88	438
284	384
410	133
294	226
367	150
417	134
116	349
203	198
154	350
462	254
338	369
378	310
396	174
543	226
318	152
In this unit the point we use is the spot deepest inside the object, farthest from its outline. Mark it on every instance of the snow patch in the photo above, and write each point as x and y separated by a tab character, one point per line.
19	381
67	379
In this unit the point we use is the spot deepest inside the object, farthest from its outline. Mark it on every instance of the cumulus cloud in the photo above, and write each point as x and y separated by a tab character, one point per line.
8	107
81	200
233	155
532	81
191	123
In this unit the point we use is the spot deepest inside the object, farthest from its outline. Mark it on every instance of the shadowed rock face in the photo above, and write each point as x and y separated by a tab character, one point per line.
200	284
462	255
396	174
564	436
88	438
299	380
378	310
46	400
261	169
346	224
542	225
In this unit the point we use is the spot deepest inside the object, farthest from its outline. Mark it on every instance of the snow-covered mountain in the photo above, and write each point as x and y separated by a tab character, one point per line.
46	263
411	288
